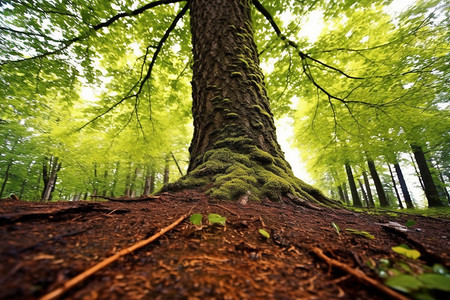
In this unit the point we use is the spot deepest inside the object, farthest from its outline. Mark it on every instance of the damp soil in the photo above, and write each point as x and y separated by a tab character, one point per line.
43	245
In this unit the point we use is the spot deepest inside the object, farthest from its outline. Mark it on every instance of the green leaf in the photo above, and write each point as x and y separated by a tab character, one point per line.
410	253
196	219
264	233
360	232
404	283
435	281
410	223
216	218
336	227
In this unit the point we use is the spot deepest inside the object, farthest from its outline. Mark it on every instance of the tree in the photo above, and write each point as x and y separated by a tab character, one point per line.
234	152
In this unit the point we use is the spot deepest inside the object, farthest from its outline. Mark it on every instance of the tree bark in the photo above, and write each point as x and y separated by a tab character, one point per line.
399	200
234	151
403	186
368	189
353	190
430	188
378	186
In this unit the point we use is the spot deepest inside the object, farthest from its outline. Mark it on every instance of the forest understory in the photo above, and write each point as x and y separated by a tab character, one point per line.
310	252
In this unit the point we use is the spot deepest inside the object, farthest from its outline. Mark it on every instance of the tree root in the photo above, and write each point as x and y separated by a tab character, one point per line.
359	275
79	278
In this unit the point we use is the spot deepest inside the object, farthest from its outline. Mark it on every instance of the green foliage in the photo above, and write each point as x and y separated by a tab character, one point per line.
264	233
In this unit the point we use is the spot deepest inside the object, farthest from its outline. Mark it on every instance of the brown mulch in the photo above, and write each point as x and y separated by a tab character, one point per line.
43	245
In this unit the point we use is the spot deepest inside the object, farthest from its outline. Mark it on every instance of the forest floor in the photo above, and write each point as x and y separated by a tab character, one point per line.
43	245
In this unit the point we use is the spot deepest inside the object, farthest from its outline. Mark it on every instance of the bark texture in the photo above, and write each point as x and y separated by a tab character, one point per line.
234	151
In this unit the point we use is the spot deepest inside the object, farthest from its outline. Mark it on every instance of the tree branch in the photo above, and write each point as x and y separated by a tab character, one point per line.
149	71
95	28
293	44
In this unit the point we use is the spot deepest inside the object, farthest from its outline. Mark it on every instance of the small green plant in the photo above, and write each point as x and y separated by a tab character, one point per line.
410	223
264	233
360	232
336	227
406	251
196	219
217	219
419	281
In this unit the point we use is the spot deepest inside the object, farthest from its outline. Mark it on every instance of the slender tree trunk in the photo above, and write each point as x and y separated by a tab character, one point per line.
430	188
45	175
441	177
353	190
399	200
51	179
366	200
8	167
417	172
378	186
148	174
341	194
234	152
403	186
368	190
344	189
152	181
166	170
116	177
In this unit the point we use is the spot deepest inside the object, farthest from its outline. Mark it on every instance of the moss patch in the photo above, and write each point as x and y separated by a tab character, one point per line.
236	167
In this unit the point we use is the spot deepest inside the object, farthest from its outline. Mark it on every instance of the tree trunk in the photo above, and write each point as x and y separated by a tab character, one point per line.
51	179
353	190
344	189
430	188
8	167
368	190
399	200
378	186
341	194
166	170
116	177
366	200
403	186
417	172
234	151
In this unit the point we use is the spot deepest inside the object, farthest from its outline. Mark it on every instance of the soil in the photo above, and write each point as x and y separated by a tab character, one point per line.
43	245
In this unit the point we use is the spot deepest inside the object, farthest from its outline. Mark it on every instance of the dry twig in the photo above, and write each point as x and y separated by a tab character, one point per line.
79	278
